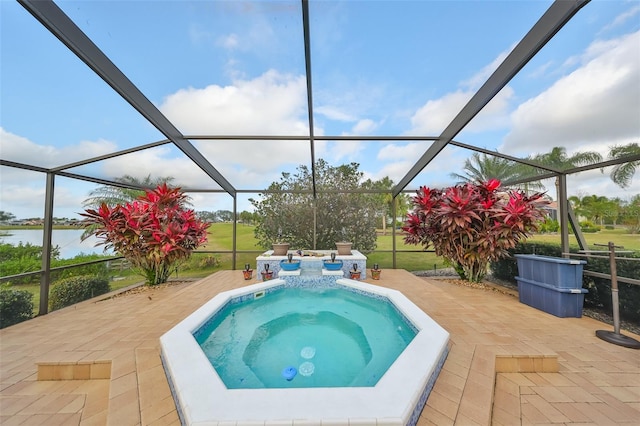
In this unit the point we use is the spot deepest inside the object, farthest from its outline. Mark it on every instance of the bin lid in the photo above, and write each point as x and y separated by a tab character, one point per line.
551	259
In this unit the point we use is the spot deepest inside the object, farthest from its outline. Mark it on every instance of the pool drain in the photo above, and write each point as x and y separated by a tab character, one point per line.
308	352
306	368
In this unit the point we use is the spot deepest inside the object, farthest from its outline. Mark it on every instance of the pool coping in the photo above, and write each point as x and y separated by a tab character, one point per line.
393	401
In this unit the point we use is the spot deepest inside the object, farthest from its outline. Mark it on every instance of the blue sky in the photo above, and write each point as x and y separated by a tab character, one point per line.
379	68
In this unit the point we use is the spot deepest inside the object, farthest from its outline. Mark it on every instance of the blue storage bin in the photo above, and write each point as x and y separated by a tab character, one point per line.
556	271
561	302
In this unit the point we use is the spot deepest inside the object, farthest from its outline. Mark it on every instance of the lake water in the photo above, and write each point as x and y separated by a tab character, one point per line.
67	240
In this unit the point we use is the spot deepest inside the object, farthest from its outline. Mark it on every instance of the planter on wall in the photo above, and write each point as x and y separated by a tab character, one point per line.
344	248
280	249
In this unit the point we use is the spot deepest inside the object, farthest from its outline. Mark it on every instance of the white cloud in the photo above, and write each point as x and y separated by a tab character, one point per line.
399	158
21	150
229	41
334	113
479	78
598	103
433	117
596	182
364	126
271	104
622	18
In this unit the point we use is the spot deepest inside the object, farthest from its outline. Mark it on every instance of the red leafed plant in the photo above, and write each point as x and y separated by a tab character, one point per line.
155	232
471	225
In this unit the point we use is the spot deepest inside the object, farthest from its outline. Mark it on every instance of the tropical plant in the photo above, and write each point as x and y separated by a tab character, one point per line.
155	232
622	174
471	225
113	195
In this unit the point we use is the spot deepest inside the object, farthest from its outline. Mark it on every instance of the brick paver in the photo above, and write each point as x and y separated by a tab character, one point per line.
595	383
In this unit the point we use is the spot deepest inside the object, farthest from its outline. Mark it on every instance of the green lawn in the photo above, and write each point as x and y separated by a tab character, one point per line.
221	239
618	236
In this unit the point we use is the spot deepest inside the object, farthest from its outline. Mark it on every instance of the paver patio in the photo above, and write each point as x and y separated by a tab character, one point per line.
98	362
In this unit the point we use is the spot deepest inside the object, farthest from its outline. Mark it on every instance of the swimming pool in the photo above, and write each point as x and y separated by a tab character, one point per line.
299	337
396	399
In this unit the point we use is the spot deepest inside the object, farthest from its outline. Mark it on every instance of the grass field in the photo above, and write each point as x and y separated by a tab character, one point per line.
407	257
220	238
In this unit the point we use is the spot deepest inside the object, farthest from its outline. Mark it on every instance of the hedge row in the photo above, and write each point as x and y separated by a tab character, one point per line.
599	295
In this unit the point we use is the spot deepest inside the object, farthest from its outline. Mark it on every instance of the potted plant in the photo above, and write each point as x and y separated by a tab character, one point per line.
280	248
344	246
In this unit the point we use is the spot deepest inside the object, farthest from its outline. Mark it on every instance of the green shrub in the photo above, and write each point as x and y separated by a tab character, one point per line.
549	225
15	306
76	289
589	227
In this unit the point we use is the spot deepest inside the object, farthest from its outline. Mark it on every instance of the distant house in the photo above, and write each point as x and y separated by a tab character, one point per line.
552	210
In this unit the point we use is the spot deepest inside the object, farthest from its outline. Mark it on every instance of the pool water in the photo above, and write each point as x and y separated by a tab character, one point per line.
305	337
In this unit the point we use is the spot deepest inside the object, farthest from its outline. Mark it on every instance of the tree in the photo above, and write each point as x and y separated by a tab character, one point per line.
596	208
386	200
224	215
155	232
622	174
482	168
630	215
207	216
246	217
6	216
558	158
287	209
471	225
112	195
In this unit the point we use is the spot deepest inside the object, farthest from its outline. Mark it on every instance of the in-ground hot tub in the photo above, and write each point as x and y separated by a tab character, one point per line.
397	398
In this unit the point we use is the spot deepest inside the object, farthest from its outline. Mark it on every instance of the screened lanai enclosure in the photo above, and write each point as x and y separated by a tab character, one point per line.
225	98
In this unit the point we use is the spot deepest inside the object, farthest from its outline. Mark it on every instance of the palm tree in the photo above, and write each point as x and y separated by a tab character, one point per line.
385	200
113	195
480	168
596	208
622	174
558	158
